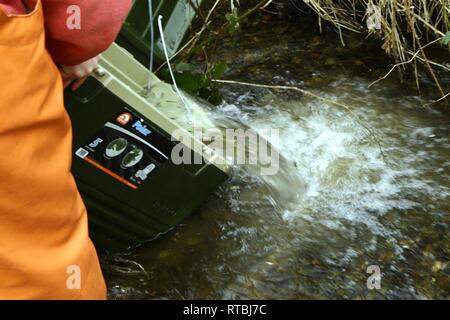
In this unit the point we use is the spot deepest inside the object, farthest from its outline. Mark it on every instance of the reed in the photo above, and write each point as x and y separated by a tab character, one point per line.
406	27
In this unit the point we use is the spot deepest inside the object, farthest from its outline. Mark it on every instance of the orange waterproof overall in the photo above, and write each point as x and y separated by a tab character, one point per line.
45	251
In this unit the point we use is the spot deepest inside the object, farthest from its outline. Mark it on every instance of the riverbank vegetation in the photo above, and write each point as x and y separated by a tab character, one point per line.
406	28
415	34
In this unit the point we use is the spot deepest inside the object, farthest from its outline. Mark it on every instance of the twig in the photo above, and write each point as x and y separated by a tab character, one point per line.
260	5
431	62
195	37
267	4
218	33
440	99
430	69
404	62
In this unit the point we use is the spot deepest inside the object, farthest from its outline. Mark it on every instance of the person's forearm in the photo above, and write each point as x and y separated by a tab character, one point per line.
13	7
100	22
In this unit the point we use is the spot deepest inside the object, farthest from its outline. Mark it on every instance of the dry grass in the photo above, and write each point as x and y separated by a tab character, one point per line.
406	27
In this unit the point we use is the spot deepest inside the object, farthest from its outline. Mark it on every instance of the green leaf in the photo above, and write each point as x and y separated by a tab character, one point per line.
233	22
183	66
218	70
446	39
191	82
215	97
211	94
197	84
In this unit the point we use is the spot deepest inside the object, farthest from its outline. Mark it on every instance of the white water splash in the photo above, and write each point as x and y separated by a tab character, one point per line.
345	174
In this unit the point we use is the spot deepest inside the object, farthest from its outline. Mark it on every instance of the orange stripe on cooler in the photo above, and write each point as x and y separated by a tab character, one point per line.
112	174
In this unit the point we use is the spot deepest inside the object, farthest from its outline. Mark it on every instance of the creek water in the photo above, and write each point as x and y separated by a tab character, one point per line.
344	198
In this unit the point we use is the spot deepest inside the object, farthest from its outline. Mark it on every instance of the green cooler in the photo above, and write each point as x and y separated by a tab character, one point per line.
122	151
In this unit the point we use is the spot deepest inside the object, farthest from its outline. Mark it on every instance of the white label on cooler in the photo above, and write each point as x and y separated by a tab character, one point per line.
143	174
82	153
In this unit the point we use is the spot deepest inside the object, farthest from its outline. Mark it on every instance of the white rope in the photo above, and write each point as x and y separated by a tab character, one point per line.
152	42
161	32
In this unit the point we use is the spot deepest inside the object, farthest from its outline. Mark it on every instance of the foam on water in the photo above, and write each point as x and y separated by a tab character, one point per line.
346	176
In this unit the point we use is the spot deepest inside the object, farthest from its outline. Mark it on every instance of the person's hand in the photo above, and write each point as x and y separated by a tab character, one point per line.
76	75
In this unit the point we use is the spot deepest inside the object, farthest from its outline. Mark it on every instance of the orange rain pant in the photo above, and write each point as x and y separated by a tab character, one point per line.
45	250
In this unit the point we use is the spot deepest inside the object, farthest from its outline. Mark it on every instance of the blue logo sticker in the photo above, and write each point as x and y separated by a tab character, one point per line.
141	128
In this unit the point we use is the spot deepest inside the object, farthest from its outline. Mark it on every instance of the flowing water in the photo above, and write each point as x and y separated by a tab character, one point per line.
344	198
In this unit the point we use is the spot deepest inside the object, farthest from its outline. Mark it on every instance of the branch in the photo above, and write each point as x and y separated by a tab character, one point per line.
404	62
440	99
195	37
